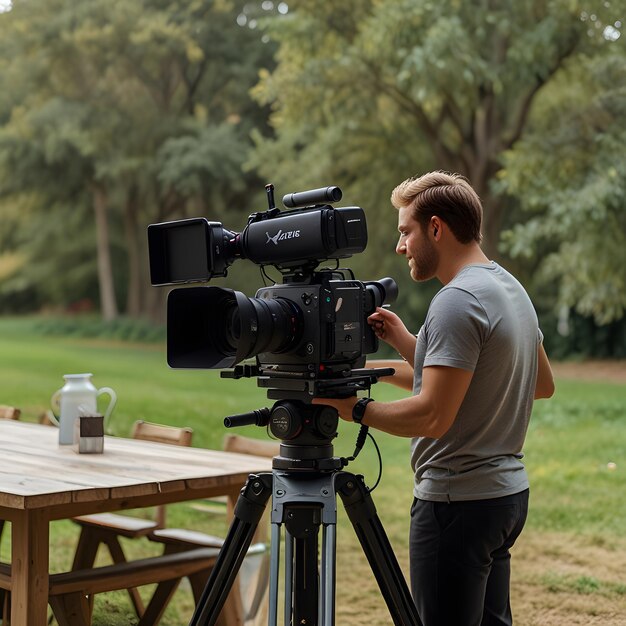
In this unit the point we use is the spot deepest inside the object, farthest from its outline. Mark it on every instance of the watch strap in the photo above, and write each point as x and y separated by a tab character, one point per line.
358	410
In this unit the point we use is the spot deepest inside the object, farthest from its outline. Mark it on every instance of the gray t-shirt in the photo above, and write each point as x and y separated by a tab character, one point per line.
482	321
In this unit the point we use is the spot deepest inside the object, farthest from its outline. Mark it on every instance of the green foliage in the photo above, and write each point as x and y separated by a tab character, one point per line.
574	336
378	91
141	106
204	163
143	110
569	175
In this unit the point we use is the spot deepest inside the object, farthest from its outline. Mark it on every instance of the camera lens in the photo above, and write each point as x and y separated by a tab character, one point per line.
232	326
211	327
276	324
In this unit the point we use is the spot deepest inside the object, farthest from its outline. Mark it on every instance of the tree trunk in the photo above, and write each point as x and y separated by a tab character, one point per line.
481	172
492	224
108	303
133	297
155	306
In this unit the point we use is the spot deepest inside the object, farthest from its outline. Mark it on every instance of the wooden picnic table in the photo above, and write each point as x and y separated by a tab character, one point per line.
41	481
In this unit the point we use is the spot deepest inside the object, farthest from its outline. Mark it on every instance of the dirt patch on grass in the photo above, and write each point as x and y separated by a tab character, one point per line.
564	580
597	371
557	580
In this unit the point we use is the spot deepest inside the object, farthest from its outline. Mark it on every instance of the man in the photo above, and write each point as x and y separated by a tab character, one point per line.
477	364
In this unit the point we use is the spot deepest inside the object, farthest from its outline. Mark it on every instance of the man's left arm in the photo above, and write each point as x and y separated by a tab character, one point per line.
544	387
428	414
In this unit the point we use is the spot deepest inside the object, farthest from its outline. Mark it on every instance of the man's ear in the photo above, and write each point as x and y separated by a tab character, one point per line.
436	226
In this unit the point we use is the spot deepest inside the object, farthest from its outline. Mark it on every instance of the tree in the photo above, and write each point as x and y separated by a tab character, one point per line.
367	93
569	175
145	102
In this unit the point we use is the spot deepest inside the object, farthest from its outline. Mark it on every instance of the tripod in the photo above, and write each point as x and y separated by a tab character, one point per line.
304	484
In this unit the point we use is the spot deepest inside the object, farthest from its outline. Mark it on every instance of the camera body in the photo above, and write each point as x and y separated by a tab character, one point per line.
331	315
308	334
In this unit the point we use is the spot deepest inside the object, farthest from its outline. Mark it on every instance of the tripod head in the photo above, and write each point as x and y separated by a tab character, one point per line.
305	430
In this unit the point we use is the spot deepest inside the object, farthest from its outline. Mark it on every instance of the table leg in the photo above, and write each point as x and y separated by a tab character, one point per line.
29	569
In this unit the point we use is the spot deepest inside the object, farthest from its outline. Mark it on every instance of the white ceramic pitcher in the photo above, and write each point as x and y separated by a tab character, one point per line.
77	397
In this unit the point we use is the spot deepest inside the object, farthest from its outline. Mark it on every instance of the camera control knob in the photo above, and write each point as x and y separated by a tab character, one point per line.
327	422
307	298
283	424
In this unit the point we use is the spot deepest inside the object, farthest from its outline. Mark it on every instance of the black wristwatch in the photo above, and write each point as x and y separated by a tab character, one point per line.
358	410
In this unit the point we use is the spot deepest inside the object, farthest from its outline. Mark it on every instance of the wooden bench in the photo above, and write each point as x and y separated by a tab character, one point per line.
5	588
9	412
107	528
71	593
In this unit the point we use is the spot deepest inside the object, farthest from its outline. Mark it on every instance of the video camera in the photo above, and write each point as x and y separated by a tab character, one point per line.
309	334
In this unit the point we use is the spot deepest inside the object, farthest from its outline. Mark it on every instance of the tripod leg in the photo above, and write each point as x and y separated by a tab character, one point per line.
288	607
248	512
328	579
306	581
302	521
274	568
369	529
301	580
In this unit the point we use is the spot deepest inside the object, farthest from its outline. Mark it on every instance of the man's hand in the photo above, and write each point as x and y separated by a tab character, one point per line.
390	328
344	406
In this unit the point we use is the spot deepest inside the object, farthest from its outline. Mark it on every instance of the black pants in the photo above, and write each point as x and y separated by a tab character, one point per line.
460	560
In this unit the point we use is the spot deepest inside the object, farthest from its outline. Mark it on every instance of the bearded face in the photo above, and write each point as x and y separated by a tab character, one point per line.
416	246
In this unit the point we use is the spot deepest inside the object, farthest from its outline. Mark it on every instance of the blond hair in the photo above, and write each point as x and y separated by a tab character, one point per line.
446	195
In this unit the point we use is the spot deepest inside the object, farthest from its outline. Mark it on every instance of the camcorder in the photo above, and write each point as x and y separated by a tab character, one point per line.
309	334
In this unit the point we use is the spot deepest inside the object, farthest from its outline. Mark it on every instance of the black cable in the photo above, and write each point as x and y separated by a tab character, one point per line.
358	446
380	463
265	276
360	442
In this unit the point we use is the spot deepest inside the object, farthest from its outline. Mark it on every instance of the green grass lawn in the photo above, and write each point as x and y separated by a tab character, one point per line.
576	457
573	441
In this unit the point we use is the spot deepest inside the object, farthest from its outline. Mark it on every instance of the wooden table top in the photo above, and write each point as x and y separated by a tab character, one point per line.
35	472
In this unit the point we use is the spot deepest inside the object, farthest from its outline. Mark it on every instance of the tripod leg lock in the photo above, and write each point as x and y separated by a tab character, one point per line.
253	499
355	497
